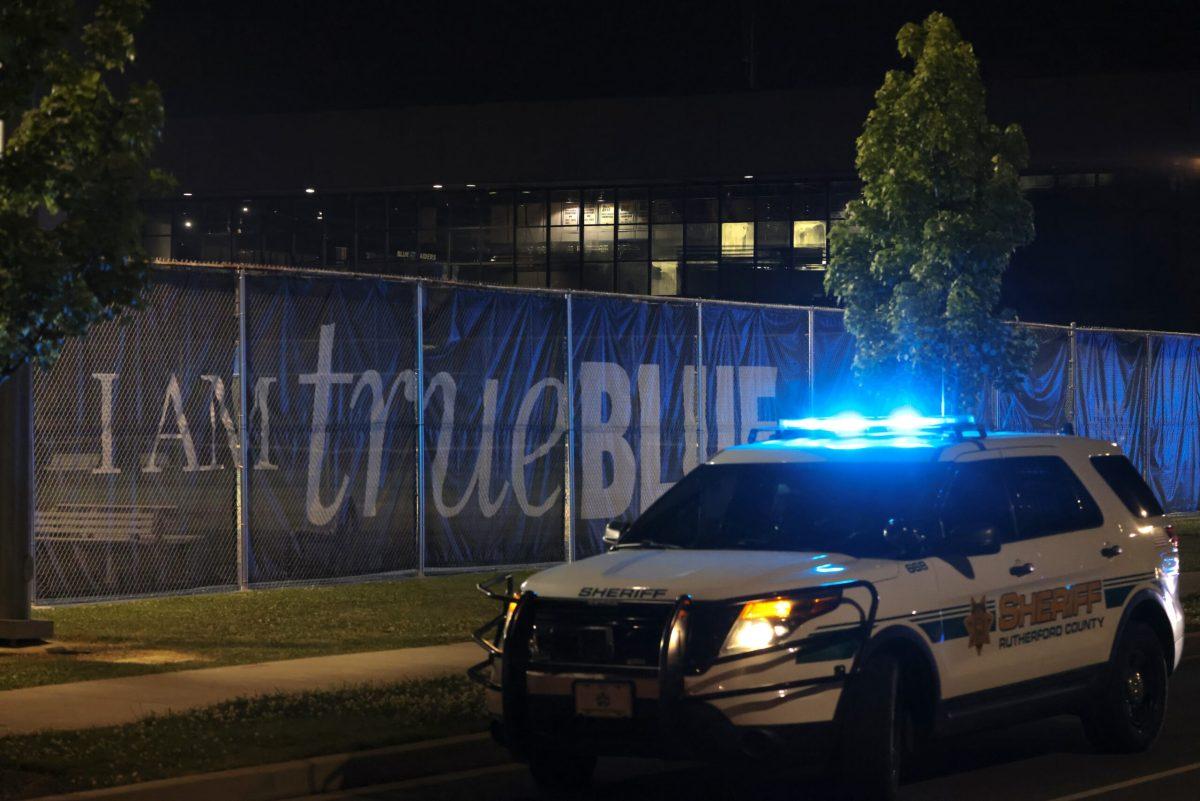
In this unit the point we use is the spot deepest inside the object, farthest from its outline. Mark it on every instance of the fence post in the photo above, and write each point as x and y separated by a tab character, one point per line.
419	309
569	506
812	362
1146	378
701	419
243	472
1072	383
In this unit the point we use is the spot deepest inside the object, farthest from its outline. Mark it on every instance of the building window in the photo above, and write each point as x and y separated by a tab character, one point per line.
737	240
1033	183
633	242
565	249
531	238
808	244
664	278
599	239
156	231
737	223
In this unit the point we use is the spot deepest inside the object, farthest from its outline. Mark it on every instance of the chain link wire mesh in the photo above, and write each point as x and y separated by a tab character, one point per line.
135	448
139	432
332	430
495	427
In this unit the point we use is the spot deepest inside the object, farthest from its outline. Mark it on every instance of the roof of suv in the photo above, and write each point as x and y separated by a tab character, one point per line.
903	448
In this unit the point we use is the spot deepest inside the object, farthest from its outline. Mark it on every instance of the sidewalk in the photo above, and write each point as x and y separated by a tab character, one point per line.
108	702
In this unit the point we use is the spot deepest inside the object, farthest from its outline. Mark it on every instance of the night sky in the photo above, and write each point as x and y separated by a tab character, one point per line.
241	56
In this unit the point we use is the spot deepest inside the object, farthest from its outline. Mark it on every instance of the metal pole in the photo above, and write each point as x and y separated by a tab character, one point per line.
569	506
243	473
812	362
1147	377
1071	382
16	511
701	427
420	411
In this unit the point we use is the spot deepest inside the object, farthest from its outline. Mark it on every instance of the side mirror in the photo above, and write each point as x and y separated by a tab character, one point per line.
973	540
613	532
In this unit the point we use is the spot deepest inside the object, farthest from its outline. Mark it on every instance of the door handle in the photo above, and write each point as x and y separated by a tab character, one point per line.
1111	551
1022	569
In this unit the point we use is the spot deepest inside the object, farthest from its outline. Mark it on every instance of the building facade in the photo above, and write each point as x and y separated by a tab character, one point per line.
717	196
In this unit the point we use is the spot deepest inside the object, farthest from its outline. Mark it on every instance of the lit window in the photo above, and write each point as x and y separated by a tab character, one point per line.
737	240
664	278
808	234
1029	182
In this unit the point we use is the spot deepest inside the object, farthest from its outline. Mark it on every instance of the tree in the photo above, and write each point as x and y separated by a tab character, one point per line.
918	260
73	168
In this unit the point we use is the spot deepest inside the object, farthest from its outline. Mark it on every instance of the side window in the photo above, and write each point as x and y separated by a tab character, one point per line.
977	499
1122	477
1047	497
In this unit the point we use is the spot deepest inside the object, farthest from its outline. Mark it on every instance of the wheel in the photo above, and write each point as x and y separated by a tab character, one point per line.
1127	714
873	733
561	771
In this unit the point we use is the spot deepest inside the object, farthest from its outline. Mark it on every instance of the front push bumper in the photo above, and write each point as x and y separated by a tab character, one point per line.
668	721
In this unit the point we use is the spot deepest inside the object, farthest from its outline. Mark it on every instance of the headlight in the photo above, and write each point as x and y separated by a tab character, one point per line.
762	624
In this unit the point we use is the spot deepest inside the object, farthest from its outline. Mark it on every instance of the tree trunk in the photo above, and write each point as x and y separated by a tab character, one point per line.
16	512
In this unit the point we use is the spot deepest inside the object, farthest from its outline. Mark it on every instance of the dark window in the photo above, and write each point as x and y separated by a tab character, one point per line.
825	507
1123	478
1047	497
978	500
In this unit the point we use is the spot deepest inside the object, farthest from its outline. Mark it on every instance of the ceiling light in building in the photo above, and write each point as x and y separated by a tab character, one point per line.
187	194
748	177
187	223
245	209
437	186
308	190
470	186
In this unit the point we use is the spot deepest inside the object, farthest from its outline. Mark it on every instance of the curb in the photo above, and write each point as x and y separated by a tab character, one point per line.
312	776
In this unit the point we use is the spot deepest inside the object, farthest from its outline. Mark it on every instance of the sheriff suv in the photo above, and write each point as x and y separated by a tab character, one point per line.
842	590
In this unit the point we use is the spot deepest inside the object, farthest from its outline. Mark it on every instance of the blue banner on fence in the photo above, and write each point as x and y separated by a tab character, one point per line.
139	428
635	385
834	389
331	429
135	447
1040	403
1111	369
1173	421
755	370
495	427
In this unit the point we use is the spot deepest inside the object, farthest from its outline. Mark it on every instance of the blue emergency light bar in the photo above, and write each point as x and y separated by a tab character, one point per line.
903	423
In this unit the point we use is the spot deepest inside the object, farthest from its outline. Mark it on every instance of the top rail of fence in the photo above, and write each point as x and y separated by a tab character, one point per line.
287	269
283	269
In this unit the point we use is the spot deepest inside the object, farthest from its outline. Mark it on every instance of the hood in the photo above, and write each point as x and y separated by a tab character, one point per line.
634	574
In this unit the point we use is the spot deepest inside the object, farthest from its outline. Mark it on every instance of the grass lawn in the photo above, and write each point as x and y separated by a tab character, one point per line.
1191	612
239	733
1188	529
134	637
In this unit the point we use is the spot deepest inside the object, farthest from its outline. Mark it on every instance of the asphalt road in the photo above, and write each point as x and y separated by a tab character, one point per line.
1045	761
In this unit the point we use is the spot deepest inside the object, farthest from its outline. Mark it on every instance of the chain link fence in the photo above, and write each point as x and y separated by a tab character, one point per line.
402	427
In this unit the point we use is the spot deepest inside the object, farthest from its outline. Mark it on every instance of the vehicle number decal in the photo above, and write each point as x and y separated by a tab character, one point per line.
916	567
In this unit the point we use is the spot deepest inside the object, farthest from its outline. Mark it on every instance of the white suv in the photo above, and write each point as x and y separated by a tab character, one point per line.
842	590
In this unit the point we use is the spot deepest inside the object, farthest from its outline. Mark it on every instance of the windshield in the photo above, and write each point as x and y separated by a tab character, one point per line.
814	506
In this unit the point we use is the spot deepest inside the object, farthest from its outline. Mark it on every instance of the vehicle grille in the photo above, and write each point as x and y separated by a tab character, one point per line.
571	633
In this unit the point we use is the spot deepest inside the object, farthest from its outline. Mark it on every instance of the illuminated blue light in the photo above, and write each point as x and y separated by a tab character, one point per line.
904	427
827	568
844	424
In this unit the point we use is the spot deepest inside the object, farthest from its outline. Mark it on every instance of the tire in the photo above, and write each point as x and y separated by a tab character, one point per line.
558	771
874	728
1127	714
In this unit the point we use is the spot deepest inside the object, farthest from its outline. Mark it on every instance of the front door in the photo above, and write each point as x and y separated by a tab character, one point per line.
970	655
